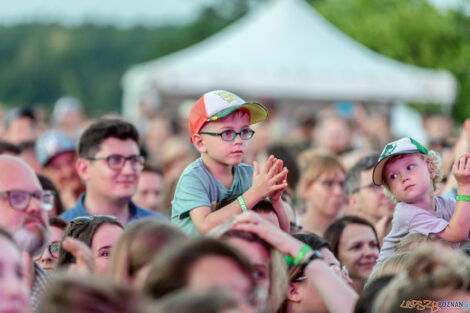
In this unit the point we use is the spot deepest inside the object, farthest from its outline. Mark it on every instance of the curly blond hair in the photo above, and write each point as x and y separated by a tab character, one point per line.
433	161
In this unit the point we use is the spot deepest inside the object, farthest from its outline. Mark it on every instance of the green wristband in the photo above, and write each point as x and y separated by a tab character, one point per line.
242	204
463	198
299	257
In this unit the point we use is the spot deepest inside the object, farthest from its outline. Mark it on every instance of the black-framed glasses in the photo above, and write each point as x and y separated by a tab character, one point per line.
230	134
19	199
54	249
117	161
369	186
88	218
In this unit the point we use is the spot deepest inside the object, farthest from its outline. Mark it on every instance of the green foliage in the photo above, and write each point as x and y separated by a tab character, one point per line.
411	31
41	62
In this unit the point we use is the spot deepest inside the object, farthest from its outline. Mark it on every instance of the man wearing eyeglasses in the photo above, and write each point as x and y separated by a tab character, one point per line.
23	213
110	165
366	199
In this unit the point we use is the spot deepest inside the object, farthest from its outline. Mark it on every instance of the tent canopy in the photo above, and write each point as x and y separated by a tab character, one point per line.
285	50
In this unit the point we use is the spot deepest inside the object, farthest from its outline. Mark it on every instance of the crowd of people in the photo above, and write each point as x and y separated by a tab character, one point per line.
225	208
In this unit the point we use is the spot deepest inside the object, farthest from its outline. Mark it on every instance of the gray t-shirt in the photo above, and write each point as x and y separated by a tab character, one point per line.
409	219
197	187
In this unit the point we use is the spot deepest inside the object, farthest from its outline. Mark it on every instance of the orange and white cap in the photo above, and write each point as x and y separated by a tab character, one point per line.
217	104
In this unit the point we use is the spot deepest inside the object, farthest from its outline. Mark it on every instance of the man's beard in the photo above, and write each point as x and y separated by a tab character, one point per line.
32	242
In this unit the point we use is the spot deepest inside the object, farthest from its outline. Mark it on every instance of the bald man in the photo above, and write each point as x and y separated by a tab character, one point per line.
23	212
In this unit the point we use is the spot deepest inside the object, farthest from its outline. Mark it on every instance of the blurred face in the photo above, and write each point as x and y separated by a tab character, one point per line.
149	194
358	250
370	201
48	261
28	226
259	258
101	245
408	178
20	130
61	170
14	294
227	153
334	135
220	271
308	298
325	195
115	185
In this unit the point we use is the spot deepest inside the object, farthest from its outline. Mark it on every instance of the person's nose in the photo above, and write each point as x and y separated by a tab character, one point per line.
371	251
338	189
404	176
34	206
127	168
238	139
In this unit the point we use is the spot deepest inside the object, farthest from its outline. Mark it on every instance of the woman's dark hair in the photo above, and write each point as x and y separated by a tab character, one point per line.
366	300
335	230
47	184
8	147
83	231
58	222
290	161
93	136
313	240
83	293
169	271
188	301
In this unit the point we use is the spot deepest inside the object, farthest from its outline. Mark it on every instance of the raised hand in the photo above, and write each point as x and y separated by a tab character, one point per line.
282	241
461	171
83	255
266	182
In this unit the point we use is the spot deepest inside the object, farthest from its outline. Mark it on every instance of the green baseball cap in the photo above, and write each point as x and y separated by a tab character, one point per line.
406	145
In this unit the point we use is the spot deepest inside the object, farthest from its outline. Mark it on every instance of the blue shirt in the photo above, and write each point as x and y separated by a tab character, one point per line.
135	212
198	188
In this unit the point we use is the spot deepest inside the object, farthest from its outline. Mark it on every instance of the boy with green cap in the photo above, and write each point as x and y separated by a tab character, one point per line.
410	175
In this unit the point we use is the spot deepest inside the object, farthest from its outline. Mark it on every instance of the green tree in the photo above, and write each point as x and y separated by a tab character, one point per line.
41	62
411	31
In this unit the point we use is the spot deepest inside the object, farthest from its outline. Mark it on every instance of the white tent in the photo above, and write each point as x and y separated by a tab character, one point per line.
285	50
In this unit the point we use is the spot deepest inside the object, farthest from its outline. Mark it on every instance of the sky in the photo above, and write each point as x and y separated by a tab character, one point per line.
116	12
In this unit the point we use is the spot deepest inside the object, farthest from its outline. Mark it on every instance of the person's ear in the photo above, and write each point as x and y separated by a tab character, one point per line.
293	294
303	190
352	201
199	143
81	166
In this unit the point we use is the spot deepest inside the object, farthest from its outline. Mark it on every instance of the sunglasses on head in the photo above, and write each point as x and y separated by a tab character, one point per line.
89	218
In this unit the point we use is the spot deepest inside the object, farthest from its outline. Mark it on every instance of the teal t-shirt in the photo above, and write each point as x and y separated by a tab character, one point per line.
197	187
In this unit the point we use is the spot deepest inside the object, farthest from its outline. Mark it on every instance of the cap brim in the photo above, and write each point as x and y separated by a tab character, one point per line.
258	112
377	174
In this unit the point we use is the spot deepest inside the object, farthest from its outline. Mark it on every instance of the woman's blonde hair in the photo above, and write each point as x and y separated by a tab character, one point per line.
433	161
313	163
431	274
394	264
138	245
412	241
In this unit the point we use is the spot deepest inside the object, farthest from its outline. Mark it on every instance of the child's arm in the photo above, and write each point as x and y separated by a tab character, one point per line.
264	184
459	225
461	147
